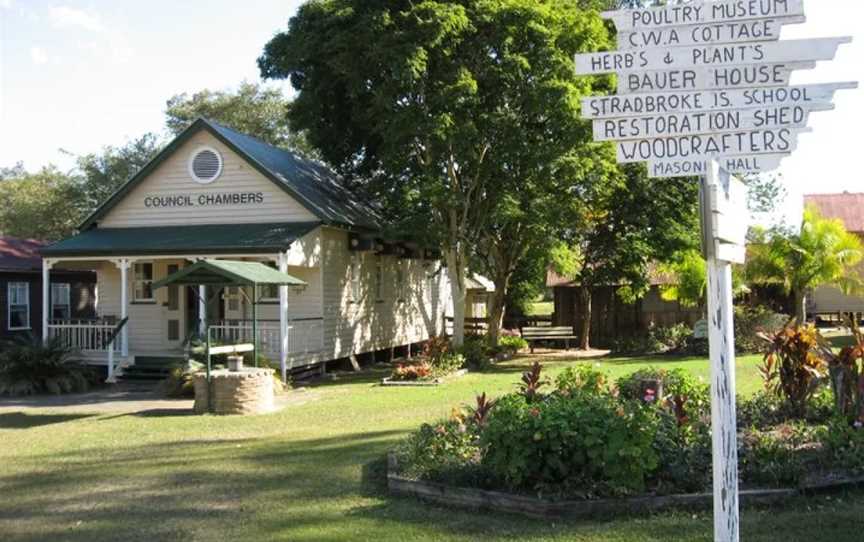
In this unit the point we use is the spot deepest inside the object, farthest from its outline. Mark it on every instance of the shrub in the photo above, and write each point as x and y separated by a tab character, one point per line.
793	365
847	373
531	382
475	352
657	340
436	347
683	394
776	457
590	444
418	371
684	452
28	366
581	379
447	451
512	343
753	322
180	382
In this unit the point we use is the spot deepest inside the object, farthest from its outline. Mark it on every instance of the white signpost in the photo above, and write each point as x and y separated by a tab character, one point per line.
703	90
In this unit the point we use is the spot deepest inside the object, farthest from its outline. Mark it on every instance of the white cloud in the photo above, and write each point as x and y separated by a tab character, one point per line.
66	17
5	4
38	55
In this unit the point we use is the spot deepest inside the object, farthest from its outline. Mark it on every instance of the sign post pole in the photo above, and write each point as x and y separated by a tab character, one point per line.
721	338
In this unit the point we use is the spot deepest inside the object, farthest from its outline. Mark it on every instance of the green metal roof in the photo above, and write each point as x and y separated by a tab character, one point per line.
181	240
311	183
228	273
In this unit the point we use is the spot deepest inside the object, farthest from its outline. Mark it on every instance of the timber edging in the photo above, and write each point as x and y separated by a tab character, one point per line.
496	501
424	383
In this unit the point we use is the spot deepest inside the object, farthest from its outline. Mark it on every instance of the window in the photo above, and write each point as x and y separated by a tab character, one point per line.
233	295
269	292
61	305
355	278
19	305
379	278
143	282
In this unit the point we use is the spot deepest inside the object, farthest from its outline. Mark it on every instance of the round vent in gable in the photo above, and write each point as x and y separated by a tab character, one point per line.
205	165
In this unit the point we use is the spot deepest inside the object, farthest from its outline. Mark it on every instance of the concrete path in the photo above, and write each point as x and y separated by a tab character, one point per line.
125	399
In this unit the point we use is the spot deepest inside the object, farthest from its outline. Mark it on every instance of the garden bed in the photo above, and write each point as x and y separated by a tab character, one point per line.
390	381
497	501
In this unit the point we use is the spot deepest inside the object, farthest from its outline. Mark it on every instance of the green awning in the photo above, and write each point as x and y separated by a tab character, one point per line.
181	240
228	273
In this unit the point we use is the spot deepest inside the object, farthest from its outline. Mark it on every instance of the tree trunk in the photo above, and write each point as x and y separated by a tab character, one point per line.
496	310
800	307
585	339
456	274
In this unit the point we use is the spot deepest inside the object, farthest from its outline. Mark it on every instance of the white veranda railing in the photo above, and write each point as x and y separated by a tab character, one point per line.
85	336
305	336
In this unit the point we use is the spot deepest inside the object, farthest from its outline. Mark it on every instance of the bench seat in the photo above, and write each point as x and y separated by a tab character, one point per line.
546	333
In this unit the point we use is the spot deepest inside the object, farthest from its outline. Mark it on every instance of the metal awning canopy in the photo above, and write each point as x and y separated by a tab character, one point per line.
228	273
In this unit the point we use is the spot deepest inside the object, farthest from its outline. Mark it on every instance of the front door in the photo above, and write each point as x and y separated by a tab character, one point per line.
174	311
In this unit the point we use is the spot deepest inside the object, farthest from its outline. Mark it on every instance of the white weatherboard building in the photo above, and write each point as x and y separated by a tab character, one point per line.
218	194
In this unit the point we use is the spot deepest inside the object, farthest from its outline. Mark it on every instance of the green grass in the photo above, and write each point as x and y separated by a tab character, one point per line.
541	308
312	472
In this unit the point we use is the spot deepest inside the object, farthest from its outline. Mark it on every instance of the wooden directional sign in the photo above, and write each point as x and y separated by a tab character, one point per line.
738	165
703	12
713	55
721	77
706	33
703	89
709	122
769	141
636	105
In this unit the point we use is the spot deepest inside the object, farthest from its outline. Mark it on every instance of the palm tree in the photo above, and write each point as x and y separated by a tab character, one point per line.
823	253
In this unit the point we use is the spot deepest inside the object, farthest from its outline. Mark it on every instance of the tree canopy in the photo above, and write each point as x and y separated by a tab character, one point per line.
822	253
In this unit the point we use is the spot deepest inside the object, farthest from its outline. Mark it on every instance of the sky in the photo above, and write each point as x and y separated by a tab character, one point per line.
78	76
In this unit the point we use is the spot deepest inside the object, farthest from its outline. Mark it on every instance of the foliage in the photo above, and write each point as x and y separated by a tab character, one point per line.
447	364
793	365
43	205
512	343
28	366
846	370
251	109
104	172
447	451
436	348
180	381
774	457
657	340
532	381
583	378
416	371
476	352
822	253
586	443
480	413
682	394
753	322
690	273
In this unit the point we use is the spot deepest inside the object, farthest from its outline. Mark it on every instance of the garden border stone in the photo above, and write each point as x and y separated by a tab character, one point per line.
496	501
388	381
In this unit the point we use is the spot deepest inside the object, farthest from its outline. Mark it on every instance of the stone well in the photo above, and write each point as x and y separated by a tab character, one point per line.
247	391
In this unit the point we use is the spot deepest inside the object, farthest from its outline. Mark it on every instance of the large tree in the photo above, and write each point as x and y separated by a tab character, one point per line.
628	225
44	205
103	172
251	109
423	100
821	253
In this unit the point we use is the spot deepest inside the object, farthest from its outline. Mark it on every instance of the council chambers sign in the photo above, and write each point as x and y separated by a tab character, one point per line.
708	80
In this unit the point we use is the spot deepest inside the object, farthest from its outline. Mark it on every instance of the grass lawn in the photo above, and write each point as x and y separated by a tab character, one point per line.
310	472
541	308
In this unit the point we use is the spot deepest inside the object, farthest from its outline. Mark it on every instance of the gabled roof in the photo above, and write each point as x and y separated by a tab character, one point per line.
311	183
228	273
205	239
20	254
847	207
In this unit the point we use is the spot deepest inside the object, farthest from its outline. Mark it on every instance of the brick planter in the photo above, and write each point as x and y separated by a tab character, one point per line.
249	391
